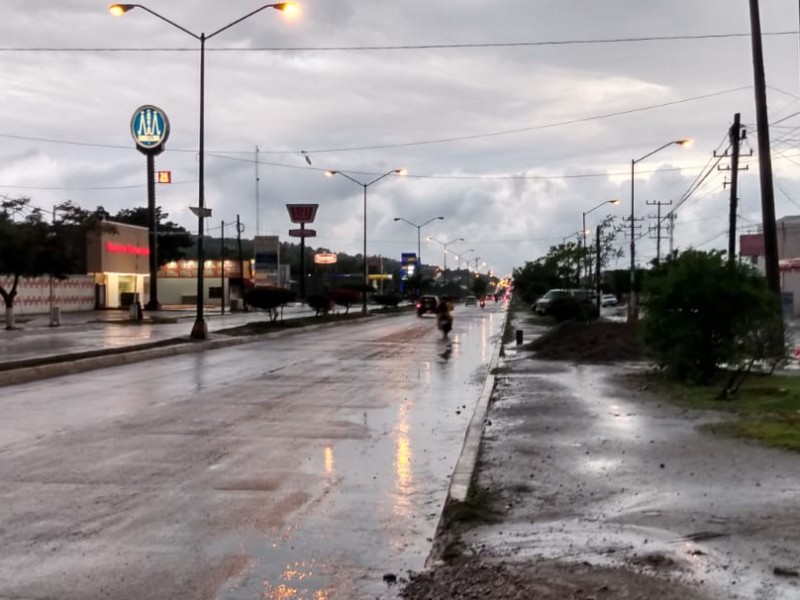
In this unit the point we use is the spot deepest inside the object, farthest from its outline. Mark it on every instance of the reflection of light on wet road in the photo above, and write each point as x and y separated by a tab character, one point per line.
293	587
329	461
404	484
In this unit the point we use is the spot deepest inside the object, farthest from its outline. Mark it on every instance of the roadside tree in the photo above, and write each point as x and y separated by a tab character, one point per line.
173	240
557	269
702	314
31	247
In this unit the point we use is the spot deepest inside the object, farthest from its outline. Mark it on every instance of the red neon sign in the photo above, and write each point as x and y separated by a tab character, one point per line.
127	249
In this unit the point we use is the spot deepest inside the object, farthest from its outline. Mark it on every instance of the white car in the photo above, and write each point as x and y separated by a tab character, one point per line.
608	300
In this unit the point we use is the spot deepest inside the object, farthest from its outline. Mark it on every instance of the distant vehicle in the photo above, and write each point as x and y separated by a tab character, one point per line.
427	304
564	304
470	301
543	304
608	300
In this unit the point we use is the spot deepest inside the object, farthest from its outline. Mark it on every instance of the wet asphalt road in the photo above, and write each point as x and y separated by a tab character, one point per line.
591	471
104	330
302	467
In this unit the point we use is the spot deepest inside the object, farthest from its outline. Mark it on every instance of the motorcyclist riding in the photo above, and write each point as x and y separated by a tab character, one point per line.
444	315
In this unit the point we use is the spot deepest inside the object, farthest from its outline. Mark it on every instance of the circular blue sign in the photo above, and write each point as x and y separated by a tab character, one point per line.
149	128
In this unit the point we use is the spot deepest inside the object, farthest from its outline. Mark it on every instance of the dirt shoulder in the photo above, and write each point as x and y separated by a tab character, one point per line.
588	490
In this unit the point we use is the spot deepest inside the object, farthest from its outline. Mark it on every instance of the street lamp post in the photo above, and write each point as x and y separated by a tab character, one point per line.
585	232
632	309
459	257
365	186
419	227
200	329
445	245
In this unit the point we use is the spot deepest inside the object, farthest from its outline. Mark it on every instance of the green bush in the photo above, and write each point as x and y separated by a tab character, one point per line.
345	297
702	313
268	298
321	303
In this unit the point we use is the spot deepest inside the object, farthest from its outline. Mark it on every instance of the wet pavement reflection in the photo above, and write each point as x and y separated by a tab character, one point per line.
309	466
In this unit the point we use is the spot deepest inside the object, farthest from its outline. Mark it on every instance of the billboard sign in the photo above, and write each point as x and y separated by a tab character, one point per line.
303	233
267	250
149	128
325	258
408	265
302	213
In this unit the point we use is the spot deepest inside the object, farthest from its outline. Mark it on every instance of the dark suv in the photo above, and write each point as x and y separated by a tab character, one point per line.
566	304
426	304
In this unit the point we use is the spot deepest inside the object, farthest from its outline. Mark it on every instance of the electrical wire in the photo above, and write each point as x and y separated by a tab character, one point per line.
402	144
527	129
576	42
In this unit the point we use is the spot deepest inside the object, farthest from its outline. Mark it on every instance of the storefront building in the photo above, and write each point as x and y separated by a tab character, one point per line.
119	263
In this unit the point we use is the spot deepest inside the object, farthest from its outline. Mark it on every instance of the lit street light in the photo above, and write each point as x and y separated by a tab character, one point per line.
445	245
420	226
461	256
632	301
365	186
585	232
200	329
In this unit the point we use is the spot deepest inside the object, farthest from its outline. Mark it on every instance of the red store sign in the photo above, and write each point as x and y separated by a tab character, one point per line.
127	249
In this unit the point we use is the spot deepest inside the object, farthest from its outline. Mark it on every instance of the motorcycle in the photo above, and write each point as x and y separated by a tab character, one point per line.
483	303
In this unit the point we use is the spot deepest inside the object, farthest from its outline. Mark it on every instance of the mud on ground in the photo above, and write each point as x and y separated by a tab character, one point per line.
465	569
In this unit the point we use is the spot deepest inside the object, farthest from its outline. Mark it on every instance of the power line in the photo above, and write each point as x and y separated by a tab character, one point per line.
575	42
532	128
402	144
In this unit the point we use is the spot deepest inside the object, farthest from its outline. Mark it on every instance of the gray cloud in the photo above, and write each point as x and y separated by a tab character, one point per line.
285	102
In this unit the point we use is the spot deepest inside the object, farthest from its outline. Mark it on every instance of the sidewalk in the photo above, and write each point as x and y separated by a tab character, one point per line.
92	331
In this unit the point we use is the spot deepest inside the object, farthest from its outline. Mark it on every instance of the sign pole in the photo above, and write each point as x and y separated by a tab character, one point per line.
302	262
150	130
152	225
222	269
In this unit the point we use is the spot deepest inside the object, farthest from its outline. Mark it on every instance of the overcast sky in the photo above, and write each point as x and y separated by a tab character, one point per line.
557	147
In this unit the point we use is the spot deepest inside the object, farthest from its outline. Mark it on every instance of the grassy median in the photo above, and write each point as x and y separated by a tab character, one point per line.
767	408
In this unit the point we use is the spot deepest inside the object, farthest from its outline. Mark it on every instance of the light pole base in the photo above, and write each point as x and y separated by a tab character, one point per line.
152	306
200	330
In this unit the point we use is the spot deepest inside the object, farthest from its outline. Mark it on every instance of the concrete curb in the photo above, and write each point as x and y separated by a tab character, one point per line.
468	460
133	355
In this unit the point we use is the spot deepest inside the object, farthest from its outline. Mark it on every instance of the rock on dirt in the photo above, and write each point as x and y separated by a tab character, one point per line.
476	578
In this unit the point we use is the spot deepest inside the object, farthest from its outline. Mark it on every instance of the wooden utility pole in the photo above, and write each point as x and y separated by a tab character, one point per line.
239	230
764	156
658	204
736	138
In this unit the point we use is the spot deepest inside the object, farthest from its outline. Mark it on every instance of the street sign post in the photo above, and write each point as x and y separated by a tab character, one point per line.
302	213
150	130
303	233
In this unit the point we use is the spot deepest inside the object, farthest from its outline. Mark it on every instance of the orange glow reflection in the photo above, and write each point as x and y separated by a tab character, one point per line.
329	461
404	483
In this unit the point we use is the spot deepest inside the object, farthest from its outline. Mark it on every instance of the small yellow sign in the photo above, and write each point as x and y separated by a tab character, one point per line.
164	176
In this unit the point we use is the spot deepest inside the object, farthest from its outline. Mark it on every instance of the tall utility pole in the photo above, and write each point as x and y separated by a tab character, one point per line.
239	230
258	210
658	204
597	265
764	157
671	216
222	269
736	138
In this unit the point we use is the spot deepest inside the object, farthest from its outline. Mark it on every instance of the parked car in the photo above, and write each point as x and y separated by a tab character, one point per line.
470	301
608	300
565	304
427	304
